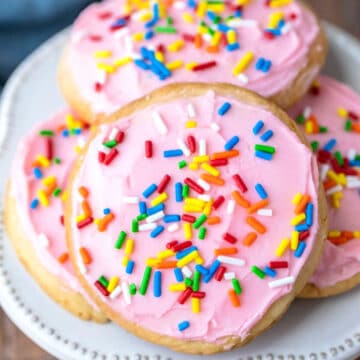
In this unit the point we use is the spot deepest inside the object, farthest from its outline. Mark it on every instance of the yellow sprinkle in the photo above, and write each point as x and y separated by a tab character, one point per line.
106	67
165	254
80	217
49	180
309	127
187	259
294	240
215	39
192	208
190	66
284	244
191	124
70	121
125	260
216	8
152	262
77	149
279	3
342	112
159	199
187	231
243	63
201	158
102	54
201	9
242	2
335	202
357	234
342	180
146	17
193	166
199	260
96	221
333	176
296	220
194	202
202	29
129	246
231	36
123	61
195	305
210	169
44	161
296	199
64	196
208	208
138	36
274	19
159	56
176	45
188	18
162	10
44	200
334	233
175	64
113	282
177	287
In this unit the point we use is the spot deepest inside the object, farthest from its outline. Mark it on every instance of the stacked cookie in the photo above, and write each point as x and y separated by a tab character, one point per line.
194	210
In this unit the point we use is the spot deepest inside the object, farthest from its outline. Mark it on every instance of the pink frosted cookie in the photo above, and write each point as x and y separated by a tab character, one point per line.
34	209
120	50
330	117
194	238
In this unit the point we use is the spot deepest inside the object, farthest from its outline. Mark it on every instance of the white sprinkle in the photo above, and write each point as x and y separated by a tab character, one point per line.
265	212
242	23
324	170
351	154
186	271
82	267
113	133
229	275
205	185
44	241
183	147
191	111
353	184
280	282
172	228
159	123
286	28
104	149
126	292
130	199
115	293
179	5
207	37
230	207
243	78
204	197
155	217
307	112
202	147
81	142
118	34
231	260
215	126
147	227
334	189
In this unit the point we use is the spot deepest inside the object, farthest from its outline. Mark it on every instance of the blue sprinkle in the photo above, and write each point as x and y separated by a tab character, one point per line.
142	64
300	249
309	214
301	227
118	22
65	133
224	108
178	275
142	207
191	4
78	131
329	145
238	13
275	32
223	28
146	53
160	68
260	63
130	267
34	204
267	66
229	145
232	47
157	284
258	126
281	23
201	269
171	218
263	155
179	255
183	325
155	18
211	15
149	190
269	271
157	231
178	192
267	135
106	211
212	270
354	163
173	153
155	209
37	173
261	191
148	35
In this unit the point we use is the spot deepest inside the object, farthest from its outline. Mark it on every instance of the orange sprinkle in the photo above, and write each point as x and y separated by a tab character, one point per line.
225	251
224	154
240	200
60	128
212	49
259	205
85	256
198	41
84	192
50	188
250	238
339	240
328	184
355	127
256	225
234	299
104	222
63	258
315	123
212	179
166	265
300	207
213	220
349	235
86	208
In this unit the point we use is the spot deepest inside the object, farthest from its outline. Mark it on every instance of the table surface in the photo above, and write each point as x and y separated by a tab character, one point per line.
16	346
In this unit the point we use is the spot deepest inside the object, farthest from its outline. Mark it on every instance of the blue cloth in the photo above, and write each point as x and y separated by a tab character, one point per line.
25	24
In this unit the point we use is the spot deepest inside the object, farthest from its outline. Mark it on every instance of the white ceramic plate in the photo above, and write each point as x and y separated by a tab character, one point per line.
324	329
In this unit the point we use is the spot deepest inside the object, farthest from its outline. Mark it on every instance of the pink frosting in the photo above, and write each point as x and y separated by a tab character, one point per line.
131	173
24	186
288	52
339	262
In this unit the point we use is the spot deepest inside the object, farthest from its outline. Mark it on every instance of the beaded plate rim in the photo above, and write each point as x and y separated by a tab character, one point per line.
26	318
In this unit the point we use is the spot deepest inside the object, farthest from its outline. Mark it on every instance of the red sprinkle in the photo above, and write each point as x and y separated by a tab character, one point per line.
171	244
84	222
353	116
160	48
194	186
269	35
148	148
95	38
62	219
198	294
240	183
220	273
191	143
182	246
230	238
279	264
216	204
219	162
49	148
101	288
188	37
120	137
304	235
188	218
111	156
185	295
105	15
204	66
101	156
163	183
98	87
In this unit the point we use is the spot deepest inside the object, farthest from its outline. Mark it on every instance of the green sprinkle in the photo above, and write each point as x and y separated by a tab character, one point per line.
73	132
132	289
57	161
145	280
348	125
202	233
185	191
258	272
188	282
103	281
141	217
300	119
357	157
120	240
134	226
46	133
110	144
182	164
265	148
323	129
315	146
236	286
165	30
339	158
169	21
199	221
196	281
210	31
57	192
